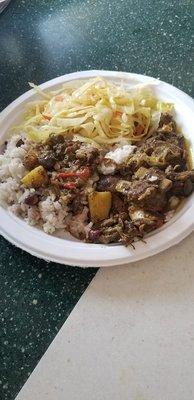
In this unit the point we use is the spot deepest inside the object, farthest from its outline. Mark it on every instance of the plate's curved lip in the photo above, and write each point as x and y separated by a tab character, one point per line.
111	260
99	255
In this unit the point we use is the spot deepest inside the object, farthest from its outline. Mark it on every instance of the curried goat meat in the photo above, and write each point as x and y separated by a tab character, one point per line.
107	183
165	153
182	182
119	204
145	221
118	229
167	122
157	152
87	154
160	150
110	235
47	160
149	191
31	159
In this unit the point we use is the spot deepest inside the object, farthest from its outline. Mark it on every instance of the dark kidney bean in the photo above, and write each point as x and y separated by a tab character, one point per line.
31	199
19	143
94	235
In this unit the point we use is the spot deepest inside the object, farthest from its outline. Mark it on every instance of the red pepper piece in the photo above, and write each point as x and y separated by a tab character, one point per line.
83	173
70	185
65	175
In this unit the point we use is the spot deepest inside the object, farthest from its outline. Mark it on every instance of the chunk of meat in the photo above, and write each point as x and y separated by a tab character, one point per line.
145	221
138	160
31	160
165	119
120	231
167	122
183	188
109	229
59	151
109	222
72	147
144	193
110	235
76	206
87	154
60	147
182	182
174	138
156	176
153	174
47	160
125	171
107	183
134	189
181	176
117	228
165	153
160	155
168	137
70	151
160	150
54	139
118	204
130	233
141	173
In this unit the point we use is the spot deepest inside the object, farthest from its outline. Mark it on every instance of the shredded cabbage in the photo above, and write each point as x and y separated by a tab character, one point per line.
97	111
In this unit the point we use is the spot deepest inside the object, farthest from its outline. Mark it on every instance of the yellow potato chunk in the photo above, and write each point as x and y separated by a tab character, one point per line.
35	178
99	205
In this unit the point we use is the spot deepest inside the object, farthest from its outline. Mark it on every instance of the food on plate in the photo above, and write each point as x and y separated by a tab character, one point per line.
99	205
105	163
98	111
35	178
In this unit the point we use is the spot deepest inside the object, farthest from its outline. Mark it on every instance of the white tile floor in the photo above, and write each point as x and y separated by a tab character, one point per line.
130	337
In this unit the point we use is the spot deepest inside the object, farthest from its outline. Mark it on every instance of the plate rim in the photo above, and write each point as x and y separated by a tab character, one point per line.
171	239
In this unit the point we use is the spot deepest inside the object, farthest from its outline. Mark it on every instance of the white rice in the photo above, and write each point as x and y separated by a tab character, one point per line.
50	214
11	162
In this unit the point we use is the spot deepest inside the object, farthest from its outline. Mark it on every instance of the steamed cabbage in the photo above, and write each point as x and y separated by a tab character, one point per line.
96	111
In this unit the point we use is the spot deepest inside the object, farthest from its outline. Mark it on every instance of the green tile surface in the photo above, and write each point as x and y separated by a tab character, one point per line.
40	40
36	297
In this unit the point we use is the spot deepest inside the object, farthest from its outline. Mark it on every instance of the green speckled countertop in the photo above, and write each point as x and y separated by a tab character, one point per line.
39	41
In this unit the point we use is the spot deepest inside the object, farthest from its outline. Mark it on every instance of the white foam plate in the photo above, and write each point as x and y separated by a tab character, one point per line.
69	250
